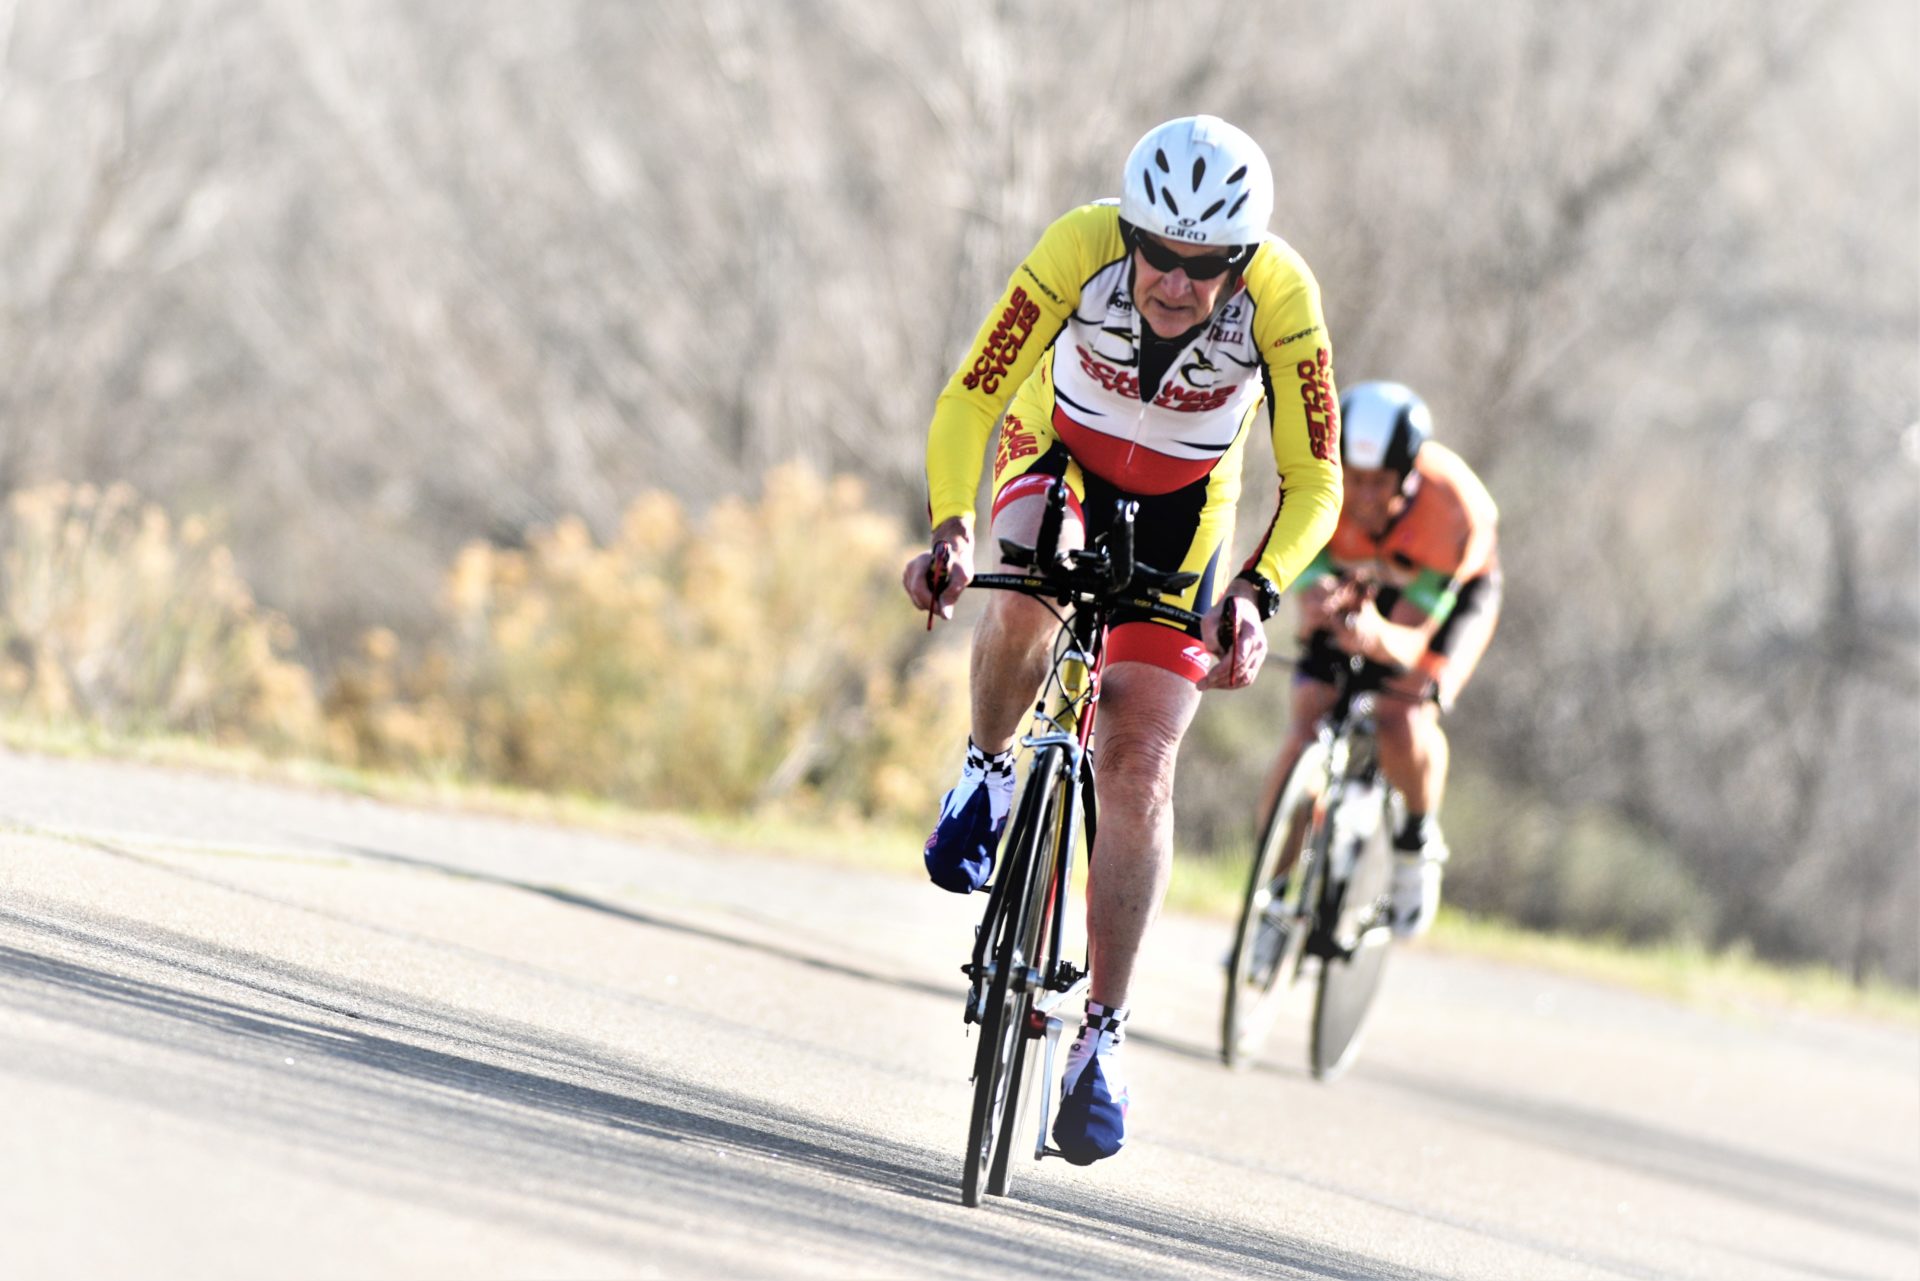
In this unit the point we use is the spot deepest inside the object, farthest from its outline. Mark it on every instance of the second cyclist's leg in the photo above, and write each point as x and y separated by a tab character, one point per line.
1414	752
1144	712
1310	698
1011	652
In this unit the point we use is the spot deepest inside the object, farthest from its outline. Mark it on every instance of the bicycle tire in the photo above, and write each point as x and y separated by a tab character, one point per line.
1275	913
1042	882
1002	1016
1355	965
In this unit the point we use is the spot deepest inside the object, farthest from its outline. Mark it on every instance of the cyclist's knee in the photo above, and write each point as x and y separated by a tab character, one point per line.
1135	771
1405	717
1012	623
1139	742
1409	728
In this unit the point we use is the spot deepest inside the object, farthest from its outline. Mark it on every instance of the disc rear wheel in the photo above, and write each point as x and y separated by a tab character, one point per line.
1354	963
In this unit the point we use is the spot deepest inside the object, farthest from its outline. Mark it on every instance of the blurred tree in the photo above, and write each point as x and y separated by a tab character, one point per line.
364	282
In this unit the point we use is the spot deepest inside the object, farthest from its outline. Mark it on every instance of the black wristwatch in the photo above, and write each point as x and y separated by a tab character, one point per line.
1266	597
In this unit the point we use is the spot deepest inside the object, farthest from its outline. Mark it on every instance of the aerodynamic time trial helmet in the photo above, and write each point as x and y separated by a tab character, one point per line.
1383	425
1200	180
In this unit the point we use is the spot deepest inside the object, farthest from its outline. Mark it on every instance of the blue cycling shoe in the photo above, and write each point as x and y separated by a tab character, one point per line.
1092	1124
959	854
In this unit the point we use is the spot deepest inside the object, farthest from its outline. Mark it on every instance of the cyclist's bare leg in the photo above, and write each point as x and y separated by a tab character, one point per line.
1013	643
1413	747
1144	712
1310	700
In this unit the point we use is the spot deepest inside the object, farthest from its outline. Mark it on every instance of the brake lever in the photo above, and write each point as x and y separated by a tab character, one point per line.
1228	637
939	570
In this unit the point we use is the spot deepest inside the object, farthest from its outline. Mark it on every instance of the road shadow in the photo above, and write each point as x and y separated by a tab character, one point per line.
635	916
425	1101
1778	1185
950	991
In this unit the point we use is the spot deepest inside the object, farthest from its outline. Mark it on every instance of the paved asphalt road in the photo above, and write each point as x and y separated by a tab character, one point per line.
251	1031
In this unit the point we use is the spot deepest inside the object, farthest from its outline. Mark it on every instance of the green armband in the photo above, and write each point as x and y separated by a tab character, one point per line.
1434	593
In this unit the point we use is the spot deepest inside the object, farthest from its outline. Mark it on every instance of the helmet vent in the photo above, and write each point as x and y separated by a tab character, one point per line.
1171	207
1236	175
1213	209
1199	172
1146	180
1160	158
1236	204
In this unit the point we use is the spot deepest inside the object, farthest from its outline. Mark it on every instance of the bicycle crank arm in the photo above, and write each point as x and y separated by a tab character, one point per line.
1366	929
1048	1002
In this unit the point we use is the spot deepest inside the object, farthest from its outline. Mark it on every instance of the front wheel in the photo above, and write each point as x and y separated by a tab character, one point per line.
1276	913
1000	1061
1051	850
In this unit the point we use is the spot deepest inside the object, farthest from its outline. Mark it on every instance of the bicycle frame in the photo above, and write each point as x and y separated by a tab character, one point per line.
1347	734
1304	903
1063	723
1064	720
1068	727
1059	788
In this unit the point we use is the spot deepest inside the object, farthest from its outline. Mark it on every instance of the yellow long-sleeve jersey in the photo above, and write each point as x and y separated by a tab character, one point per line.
1070	305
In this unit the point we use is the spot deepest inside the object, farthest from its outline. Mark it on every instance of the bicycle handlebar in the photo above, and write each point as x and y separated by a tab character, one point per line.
1105	575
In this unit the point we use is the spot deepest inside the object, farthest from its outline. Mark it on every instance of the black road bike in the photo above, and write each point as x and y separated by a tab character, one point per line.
1020	976
1317	896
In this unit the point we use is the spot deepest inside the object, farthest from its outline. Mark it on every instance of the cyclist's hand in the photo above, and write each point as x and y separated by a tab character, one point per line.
1323	601
1357	631
935	578
1236	640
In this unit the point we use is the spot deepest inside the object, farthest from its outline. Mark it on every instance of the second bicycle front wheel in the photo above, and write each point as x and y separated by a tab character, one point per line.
1276	913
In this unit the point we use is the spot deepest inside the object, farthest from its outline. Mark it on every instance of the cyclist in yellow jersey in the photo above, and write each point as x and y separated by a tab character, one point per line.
1140	342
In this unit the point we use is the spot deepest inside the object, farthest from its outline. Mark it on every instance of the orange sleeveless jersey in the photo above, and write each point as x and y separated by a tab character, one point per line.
1447	530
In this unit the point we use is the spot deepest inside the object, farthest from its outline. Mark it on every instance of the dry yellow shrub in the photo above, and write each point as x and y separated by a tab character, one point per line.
108	616
761	656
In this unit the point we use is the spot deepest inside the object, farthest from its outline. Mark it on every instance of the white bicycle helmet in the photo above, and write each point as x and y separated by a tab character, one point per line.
1200	180
1383	425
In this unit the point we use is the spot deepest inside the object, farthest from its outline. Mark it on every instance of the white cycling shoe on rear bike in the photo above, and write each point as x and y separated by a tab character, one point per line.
1415	892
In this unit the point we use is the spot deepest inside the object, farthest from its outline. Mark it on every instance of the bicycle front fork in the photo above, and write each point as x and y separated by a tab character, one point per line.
1041	1147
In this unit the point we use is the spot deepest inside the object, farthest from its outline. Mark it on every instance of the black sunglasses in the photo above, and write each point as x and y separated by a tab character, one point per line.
1199	267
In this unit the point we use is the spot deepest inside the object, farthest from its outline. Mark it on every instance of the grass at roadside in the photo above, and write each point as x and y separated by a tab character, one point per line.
1201	886
1730	979
1724	980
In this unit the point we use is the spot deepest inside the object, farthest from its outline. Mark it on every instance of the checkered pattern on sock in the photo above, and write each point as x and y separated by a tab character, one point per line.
995	764
960	853
1106	1020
